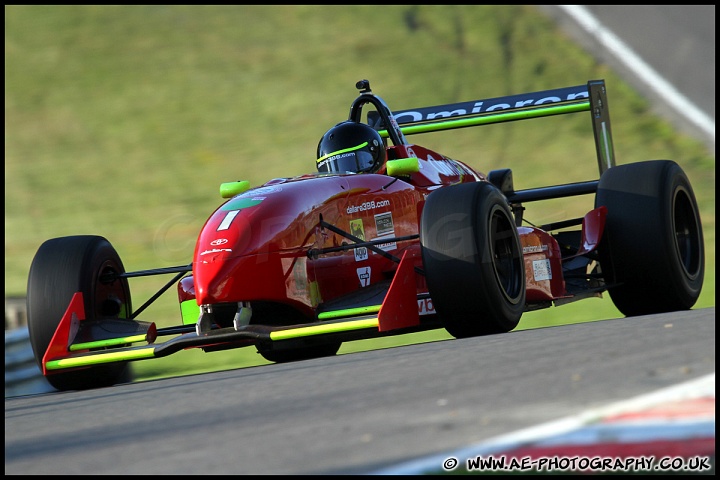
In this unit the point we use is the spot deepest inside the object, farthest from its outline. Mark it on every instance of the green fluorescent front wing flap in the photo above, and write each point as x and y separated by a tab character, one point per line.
61	356
250	335
81	343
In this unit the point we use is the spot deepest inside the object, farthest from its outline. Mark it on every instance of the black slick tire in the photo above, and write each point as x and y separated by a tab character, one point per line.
61	267
652	253
472	259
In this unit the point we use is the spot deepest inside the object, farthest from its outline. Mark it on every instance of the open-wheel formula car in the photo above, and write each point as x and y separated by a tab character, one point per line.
386	238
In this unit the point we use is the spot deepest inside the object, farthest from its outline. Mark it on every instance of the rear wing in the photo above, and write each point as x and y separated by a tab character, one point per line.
591	97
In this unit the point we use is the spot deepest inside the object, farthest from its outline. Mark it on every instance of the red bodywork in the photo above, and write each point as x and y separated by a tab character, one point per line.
298	266
255	246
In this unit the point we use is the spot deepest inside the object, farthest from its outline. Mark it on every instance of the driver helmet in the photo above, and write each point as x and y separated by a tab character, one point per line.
351	147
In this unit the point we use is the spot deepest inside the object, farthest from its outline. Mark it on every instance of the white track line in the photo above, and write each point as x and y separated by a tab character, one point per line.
698	388
694	389
645	72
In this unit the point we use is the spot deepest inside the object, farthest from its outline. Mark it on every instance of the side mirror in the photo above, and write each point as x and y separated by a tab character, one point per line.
230	189
403	166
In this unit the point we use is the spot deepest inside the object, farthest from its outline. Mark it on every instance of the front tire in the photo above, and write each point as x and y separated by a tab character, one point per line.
61	267
652	251
473	260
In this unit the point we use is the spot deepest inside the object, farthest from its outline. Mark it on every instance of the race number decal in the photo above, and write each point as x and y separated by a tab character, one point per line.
229	217
425	306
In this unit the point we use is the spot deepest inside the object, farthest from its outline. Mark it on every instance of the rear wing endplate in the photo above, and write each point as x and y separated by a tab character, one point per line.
591	97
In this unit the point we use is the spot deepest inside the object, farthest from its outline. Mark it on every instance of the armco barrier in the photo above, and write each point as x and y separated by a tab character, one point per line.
22	374
15	312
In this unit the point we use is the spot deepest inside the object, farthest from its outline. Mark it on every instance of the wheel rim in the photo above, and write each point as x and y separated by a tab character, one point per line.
687	233
505	252
111	297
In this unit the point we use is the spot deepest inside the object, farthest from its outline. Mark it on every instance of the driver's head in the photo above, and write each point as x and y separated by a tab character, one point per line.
351	147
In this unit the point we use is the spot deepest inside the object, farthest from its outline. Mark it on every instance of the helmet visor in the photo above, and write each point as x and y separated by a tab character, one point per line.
355	159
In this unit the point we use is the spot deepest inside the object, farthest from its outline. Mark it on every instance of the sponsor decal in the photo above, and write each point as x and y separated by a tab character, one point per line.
357	230
261	191
447	167
323	163
512	102
364	276
300	276
215	250
541	270
385	227
384	224
535	249
425	306
219	241
371	205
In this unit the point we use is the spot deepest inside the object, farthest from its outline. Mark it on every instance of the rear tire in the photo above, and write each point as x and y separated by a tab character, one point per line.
61	267
473	260
653	242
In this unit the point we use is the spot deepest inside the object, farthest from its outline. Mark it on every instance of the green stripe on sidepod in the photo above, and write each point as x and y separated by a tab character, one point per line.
320	329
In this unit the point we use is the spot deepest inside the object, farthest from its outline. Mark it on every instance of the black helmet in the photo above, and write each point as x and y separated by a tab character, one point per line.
350	147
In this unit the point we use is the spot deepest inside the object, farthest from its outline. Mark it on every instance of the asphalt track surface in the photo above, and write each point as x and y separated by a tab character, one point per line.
371	411
356	413
667	52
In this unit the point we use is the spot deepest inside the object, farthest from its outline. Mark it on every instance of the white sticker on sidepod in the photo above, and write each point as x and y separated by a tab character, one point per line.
425	306
385	227
541	270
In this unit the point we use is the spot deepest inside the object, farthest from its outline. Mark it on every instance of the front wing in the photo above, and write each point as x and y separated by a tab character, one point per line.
79	342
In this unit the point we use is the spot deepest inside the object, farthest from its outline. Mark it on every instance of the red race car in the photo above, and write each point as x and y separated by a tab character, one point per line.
386	238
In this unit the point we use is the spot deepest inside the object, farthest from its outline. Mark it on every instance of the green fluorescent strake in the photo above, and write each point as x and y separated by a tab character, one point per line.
108	343
349	312
159	350
494	118
99	358
320	329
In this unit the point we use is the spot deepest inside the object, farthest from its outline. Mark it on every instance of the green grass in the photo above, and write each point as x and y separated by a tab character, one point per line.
124	120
